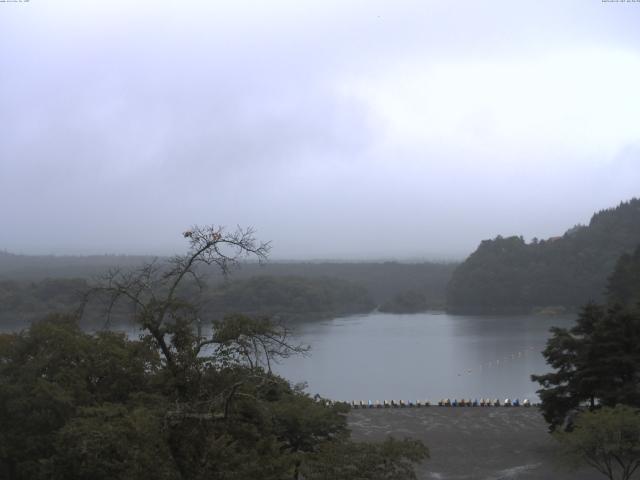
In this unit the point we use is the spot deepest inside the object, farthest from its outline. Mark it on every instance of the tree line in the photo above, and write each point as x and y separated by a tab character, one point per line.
286	297
293	291
507	274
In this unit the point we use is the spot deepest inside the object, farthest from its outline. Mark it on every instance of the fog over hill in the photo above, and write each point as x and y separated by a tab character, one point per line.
509	274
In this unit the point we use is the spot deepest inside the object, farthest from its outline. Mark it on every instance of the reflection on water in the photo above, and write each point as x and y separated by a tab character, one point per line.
422	356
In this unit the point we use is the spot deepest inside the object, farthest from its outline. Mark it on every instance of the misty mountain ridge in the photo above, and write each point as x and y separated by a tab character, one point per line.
507	274
31	287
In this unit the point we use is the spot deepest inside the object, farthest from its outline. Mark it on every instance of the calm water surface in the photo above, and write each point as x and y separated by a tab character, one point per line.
382	356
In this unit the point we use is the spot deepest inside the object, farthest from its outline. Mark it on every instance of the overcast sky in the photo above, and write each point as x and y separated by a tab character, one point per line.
338	129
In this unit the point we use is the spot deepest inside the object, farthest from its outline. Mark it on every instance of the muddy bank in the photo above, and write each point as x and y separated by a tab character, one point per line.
472	443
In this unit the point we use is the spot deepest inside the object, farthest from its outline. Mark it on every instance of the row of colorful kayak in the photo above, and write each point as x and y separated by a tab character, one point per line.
445	402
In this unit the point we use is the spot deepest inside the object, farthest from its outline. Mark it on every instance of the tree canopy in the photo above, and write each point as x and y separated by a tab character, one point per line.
607	440
193	397
290	297
410	301
509	274
623	288
597	361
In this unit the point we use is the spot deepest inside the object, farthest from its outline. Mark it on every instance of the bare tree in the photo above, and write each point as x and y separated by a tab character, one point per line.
156	293
205	372
257	342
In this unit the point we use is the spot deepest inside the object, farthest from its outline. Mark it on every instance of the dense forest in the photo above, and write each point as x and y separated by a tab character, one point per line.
407	302
383	280
290	297
623	288
23	301
507	274
33	286
286	298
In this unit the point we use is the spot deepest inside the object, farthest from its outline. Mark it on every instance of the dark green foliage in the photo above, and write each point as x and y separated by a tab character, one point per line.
22	301
36	286
607	440
80	406
290	297
507	274
624	284
597	379
381	279
406	302
596	362
113	441
287	297
48	374
183	402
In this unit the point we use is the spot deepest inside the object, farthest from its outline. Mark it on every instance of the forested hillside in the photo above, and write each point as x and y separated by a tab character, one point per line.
507	274
383	280
288	298
623	288
32	286
22	302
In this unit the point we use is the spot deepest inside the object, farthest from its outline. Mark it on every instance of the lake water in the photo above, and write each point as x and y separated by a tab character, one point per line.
422	356
380	356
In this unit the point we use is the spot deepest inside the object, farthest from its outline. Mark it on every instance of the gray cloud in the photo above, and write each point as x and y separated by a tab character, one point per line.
337	129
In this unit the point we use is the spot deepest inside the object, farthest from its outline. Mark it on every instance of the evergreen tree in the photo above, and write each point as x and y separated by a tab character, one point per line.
597	361
624	284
